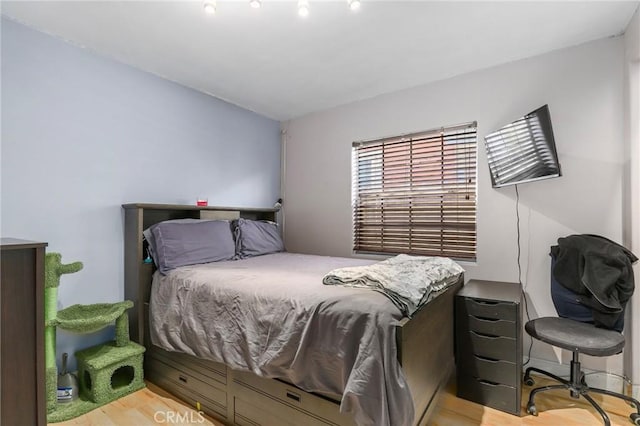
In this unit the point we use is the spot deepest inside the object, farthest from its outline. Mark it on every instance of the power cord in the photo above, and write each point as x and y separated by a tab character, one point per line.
524	296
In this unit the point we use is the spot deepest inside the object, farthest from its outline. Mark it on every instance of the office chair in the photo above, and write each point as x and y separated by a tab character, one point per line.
577	337
598	276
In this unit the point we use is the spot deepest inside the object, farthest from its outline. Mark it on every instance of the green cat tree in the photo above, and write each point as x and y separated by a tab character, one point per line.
107	371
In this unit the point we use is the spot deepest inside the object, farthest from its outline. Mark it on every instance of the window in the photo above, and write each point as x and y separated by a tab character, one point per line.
416	194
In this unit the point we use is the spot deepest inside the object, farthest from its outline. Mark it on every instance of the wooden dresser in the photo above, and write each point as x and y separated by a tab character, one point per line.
489	344
22	379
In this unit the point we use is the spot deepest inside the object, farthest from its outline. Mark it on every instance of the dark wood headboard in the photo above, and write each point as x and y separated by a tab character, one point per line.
137	274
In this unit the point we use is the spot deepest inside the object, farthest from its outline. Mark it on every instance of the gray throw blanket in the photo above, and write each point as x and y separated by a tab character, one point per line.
407	280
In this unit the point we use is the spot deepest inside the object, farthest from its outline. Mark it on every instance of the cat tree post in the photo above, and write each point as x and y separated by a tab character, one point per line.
53	269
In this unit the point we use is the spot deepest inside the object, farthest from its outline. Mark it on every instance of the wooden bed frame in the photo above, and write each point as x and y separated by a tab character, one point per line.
425	345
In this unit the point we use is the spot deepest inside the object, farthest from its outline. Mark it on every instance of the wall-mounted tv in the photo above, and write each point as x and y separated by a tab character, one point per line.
523	151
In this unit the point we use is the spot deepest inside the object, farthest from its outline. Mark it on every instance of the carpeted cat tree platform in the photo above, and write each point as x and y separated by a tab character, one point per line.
107	371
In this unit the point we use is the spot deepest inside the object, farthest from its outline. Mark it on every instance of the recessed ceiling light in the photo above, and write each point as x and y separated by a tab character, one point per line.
303	8
255	4
209	6
354	4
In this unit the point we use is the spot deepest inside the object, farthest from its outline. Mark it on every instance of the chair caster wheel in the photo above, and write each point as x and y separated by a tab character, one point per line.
583	379
635	418
529	381
531	409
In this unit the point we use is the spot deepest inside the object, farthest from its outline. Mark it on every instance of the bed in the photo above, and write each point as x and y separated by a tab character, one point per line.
229	390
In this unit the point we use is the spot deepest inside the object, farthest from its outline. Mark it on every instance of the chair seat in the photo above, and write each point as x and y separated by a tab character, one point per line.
576	336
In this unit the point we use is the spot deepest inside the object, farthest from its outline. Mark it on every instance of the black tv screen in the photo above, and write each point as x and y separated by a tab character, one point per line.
523	151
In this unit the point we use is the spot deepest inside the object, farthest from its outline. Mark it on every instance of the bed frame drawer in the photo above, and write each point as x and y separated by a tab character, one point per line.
200	368
212	400
246	414
313	406
263	411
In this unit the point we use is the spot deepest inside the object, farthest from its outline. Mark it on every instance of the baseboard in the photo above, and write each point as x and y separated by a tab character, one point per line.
635	390
596	379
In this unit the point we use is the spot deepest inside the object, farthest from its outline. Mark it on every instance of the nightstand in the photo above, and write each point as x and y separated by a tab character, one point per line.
489	344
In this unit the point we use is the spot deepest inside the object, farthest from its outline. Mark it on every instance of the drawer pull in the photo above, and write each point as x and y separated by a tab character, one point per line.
487	359
182	378
486	319
486	336
488	382
486	302
294	396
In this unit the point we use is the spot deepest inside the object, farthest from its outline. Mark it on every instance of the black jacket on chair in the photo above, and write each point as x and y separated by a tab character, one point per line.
599	271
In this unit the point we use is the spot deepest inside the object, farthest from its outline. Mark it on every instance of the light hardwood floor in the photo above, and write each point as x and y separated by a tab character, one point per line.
555	408
151	406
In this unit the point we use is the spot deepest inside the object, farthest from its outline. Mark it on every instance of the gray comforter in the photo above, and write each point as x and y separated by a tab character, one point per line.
272	315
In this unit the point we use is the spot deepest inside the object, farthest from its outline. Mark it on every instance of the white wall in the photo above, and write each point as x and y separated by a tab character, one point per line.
583	86
632	189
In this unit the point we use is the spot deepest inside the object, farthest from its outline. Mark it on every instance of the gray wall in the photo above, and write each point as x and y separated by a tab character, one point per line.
82	134
583	87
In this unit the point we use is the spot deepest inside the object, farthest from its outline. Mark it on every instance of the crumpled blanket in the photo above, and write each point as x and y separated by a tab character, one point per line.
407	280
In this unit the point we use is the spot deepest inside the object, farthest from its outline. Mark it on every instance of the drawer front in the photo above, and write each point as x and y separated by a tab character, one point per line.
315	406
501	348
246	414
497	371
260	412
501	397
490	309
209	407
202	369
491	326
190	383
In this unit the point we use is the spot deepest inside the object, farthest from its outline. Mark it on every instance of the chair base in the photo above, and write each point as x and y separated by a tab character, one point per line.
578	387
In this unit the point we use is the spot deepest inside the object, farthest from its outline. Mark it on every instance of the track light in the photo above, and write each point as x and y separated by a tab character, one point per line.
354	4
255	4
303	8
209	6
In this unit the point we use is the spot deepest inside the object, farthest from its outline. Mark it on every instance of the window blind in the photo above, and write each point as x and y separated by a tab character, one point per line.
416	194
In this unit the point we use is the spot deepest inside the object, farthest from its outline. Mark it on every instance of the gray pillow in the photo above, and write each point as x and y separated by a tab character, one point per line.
257	237
181	243
151	242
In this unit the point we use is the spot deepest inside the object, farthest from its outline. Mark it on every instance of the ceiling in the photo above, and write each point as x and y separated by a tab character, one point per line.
280	65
